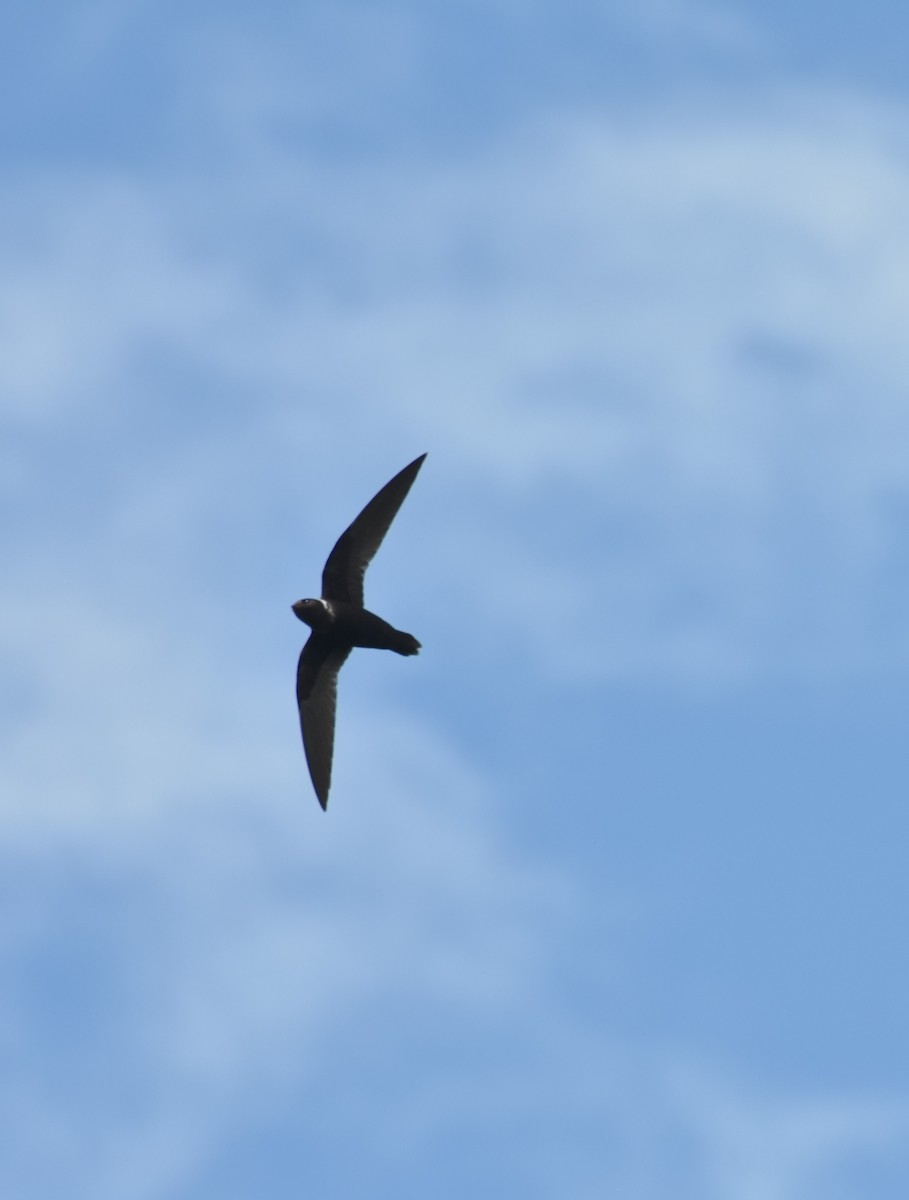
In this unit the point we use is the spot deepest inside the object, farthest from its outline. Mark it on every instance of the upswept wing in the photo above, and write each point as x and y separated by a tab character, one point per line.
342	578
317	689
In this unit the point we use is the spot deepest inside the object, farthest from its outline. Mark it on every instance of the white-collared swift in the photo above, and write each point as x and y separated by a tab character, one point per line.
339	622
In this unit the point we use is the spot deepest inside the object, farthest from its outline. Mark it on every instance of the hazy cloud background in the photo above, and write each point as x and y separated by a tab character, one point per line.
609	898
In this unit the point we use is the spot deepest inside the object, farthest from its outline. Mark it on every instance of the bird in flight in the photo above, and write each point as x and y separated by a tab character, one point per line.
339	622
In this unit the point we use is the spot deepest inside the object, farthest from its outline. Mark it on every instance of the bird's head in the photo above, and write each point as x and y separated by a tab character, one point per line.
313	613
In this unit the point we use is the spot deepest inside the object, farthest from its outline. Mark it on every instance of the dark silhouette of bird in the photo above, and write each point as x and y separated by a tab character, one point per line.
339	622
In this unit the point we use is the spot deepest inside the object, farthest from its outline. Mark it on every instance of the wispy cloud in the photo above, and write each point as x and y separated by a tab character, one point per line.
658	360
224	937
698	323
720	27
768	1147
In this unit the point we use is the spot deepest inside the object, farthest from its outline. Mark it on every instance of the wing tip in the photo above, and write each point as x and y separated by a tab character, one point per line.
414	466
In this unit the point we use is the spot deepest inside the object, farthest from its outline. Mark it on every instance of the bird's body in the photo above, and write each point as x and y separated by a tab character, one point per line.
346	624
339	622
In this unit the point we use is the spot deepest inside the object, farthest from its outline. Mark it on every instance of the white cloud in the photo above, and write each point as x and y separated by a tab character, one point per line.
237	938
784	1147
702	23
659	365
693	323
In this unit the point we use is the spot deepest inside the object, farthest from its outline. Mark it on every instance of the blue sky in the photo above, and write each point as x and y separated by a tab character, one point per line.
610	895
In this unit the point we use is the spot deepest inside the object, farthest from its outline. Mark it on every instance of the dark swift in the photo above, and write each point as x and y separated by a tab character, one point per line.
339	622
